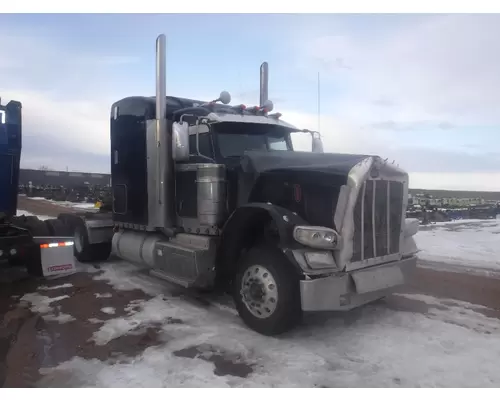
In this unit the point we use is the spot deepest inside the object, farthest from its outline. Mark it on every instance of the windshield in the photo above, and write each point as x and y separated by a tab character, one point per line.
235	138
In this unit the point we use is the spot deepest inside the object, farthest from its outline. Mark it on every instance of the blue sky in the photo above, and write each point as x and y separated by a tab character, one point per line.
421	89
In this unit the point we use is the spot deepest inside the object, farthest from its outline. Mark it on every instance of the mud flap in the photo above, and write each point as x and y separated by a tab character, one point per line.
53	256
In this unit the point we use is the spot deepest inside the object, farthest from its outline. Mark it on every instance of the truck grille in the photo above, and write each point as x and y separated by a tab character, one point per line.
377	219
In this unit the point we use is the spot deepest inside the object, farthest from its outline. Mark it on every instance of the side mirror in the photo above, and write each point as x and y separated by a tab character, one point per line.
317	144
180	141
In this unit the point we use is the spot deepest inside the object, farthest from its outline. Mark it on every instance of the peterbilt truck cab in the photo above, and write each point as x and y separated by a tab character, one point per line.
208	195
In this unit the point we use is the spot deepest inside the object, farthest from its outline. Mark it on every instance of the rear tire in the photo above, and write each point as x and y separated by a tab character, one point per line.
58	228
266	291
35	226
87	252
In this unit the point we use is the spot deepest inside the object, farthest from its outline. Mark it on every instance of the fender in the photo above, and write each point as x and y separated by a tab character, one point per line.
246	225
254	213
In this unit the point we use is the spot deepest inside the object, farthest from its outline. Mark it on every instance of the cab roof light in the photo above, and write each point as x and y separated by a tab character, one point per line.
267	107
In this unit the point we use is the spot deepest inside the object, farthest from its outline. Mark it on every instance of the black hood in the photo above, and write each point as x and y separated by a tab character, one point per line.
316	166
306	183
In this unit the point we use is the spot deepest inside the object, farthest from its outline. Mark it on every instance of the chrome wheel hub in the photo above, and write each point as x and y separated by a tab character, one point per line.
259	291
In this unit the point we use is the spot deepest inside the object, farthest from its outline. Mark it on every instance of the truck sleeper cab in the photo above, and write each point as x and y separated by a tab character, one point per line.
208	195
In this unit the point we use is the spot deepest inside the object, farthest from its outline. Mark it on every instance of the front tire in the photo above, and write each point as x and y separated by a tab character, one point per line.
266	291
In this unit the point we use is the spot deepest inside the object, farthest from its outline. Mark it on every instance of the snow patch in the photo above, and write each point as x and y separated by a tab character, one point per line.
64	285
142	313
20	213
124	276
83	205
103	295
108	310
463	243
62	318
43	305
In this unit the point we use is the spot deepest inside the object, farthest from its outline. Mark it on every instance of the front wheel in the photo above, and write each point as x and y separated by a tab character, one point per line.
266	291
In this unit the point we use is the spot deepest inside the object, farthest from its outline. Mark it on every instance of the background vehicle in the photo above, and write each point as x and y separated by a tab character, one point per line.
23	239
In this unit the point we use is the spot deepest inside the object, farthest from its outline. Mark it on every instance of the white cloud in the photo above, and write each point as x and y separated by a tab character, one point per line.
66	95
444	68
438	74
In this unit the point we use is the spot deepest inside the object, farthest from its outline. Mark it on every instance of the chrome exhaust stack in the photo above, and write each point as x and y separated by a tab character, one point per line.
264	83
165	168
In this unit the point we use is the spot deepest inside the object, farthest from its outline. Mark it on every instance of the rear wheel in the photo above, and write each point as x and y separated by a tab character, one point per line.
87	252
266	291
58	228
35	226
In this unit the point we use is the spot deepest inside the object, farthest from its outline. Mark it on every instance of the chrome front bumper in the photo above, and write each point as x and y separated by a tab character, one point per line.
355	288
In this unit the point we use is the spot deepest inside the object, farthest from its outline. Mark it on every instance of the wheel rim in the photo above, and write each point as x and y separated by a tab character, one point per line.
259	291
78	242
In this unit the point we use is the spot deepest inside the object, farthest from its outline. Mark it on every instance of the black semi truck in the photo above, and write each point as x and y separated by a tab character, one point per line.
209	195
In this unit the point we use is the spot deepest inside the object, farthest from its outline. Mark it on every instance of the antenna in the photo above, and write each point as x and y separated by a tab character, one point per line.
319	105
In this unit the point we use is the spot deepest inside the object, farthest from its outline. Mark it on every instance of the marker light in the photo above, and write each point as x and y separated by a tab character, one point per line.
268	106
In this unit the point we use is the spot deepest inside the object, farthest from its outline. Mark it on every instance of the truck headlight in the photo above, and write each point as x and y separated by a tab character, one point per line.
317	237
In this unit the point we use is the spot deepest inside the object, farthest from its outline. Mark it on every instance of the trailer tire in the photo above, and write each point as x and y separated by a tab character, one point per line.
58	228
87	252
266	291
35	226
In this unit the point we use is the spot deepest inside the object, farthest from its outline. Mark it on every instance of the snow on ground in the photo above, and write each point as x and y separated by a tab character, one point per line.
108	310
466	243
44	306
63	286
83	205
66	203
103	295
28	214
452	345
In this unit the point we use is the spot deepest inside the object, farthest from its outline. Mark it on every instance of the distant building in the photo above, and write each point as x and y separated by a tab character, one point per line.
62	178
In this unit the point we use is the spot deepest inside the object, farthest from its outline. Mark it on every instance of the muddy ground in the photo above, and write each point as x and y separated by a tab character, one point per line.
29	341
42	207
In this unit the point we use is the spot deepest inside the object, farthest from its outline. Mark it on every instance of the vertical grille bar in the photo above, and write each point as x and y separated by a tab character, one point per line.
374	230
388	217
363	221
368	220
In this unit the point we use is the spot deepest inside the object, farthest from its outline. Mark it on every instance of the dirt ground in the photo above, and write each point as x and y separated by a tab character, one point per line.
41	207
29	341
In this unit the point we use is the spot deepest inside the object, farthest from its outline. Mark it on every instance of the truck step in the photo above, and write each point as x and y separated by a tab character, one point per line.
188	260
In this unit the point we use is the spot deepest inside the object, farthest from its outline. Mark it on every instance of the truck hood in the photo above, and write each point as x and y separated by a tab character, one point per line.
319	167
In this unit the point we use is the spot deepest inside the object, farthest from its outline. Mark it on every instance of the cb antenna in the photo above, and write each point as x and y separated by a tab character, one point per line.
319	105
